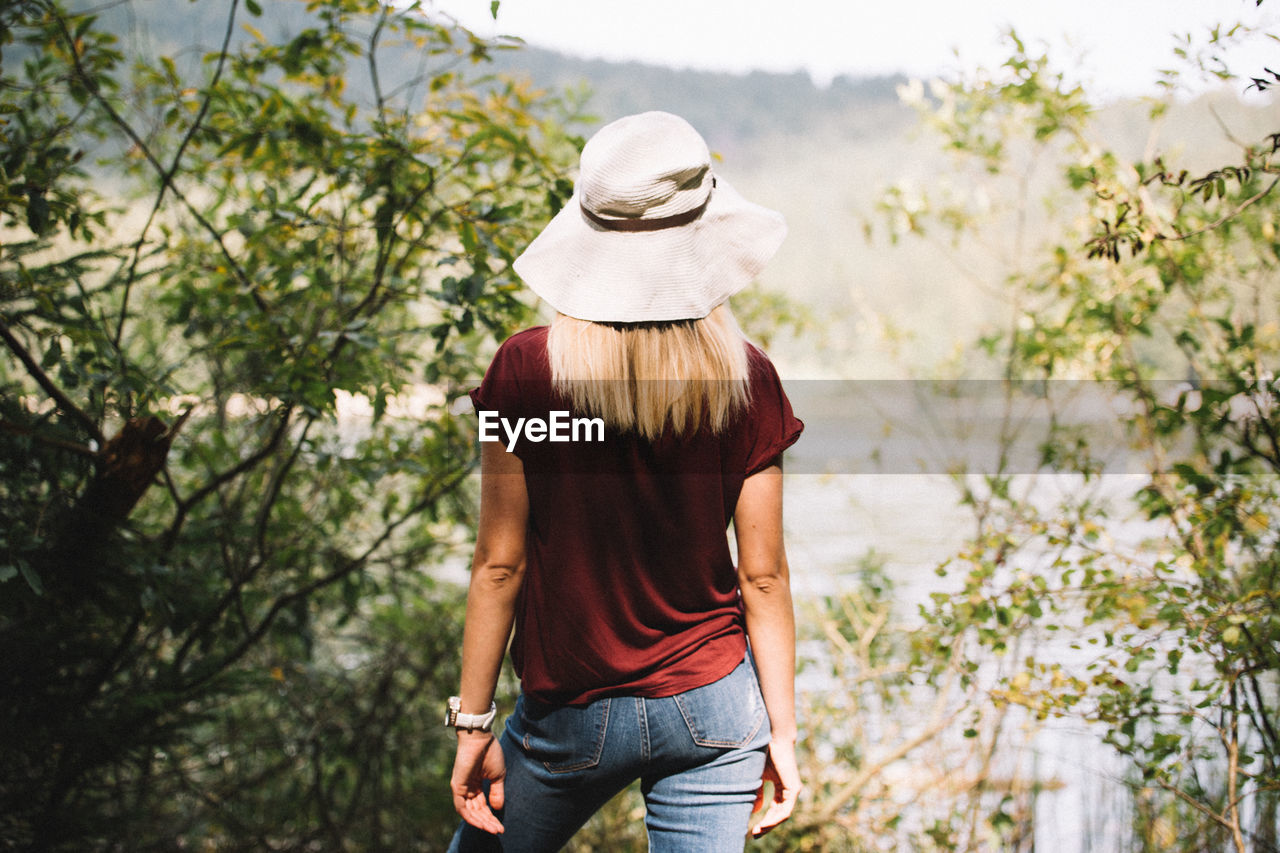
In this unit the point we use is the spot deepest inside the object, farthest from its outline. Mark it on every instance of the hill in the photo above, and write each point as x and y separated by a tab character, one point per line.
821	155
731	110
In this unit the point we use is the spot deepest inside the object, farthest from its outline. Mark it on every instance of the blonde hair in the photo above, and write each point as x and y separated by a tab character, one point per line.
646	377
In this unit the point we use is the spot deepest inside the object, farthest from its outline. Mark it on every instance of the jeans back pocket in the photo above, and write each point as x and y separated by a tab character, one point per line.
725	713
564	738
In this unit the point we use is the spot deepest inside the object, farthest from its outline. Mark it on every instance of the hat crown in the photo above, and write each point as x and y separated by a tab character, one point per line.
645	239
644	166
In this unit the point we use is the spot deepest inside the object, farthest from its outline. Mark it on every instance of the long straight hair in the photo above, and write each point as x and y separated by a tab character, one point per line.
651	377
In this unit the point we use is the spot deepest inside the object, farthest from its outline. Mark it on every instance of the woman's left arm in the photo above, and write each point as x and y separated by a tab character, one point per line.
764	580
496	572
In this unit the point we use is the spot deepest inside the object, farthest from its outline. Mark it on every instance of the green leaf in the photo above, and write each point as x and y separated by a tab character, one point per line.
21	568
253	7
84	25
37	213
52	355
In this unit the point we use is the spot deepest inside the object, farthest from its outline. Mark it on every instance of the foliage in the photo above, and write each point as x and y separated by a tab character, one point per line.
883	762
236	294
1158	293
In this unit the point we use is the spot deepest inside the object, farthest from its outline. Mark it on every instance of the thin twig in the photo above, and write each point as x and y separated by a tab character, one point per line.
119	120
184	506
302	592
1245	205
167	176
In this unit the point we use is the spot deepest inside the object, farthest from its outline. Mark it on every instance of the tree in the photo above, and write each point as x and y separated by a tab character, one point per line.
239	293
1156	288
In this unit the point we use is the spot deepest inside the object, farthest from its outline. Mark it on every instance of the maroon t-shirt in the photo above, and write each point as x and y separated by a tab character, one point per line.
629	586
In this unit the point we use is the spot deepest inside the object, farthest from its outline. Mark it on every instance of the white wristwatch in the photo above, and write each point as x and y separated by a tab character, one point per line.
471	722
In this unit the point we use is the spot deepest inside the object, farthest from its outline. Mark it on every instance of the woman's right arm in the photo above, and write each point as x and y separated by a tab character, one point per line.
765	583
496	573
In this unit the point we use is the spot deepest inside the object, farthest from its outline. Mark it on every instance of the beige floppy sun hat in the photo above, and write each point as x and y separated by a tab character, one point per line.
650	234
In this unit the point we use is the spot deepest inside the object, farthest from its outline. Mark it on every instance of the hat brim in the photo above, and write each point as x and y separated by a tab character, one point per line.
592	273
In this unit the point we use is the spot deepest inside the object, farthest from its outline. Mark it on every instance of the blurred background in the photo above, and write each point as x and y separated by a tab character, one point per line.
253	253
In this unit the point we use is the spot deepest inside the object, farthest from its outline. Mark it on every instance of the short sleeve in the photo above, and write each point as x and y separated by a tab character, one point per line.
499	385
773	426
516	373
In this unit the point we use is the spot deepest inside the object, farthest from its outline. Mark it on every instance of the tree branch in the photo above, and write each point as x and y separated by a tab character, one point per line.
42	379
251	639
51	441
854	786
184	506
1241	208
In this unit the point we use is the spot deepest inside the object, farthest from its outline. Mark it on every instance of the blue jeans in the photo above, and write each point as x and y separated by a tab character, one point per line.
699	756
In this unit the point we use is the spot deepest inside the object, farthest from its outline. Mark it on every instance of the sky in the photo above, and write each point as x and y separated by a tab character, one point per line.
1122	43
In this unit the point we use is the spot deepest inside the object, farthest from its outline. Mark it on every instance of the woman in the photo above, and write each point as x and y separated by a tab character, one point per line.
607	549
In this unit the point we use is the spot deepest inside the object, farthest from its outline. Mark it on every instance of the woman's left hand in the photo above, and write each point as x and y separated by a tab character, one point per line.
479	759
779	769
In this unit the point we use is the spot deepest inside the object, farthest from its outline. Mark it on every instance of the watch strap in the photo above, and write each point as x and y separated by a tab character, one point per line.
471	722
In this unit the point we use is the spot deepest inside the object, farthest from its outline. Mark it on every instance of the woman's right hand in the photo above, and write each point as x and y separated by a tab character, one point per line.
780	769
479	759
496	573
